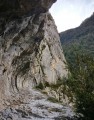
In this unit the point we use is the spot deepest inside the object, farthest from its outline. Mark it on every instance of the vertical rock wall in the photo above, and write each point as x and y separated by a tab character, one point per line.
30	49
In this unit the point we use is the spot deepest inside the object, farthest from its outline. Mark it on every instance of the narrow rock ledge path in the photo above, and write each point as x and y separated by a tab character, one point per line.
35	106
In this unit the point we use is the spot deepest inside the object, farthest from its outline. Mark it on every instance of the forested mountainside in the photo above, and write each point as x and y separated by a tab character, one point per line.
78	45
80	39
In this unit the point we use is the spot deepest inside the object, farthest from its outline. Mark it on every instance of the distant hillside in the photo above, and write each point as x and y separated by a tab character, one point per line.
80	39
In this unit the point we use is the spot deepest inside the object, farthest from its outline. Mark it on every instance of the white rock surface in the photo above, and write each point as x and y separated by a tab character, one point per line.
38	108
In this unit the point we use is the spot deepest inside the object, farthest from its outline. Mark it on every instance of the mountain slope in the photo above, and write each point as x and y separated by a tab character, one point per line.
80	39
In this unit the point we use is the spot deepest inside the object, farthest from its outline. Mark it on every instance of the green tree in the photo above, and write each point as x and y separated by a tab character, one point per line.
81	83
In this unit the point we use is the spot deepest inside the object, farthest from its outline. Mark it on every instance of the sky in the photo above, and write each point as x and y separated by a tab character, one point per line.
70	13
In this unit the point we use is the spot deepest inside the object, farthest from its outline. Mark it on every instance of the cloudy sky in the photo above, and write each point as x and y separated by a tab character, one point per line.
70	13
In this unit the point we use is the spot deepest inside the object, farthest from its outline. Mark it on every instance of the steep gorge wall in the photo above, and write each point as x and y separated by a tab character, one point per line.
30	49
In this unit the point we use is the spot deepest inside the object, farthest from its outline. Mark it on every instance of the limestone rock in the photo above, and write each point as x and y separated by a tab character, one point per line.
30	49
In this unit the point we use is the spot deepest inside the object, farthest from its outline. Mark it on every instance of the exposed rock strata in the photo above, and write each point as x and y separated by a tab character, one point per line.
30	49
30	53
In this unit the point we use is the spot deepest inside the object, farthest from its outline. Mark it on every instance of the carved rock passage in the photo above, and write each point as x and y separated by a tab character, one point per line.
30	52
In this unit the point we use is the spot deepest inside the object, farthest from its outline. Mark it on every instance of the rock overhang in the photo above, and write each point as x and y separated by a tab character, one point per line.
22	7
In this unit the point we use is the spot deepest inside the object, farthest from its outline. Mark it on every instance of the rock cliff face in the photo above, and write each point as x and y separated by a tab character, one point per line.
30	49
